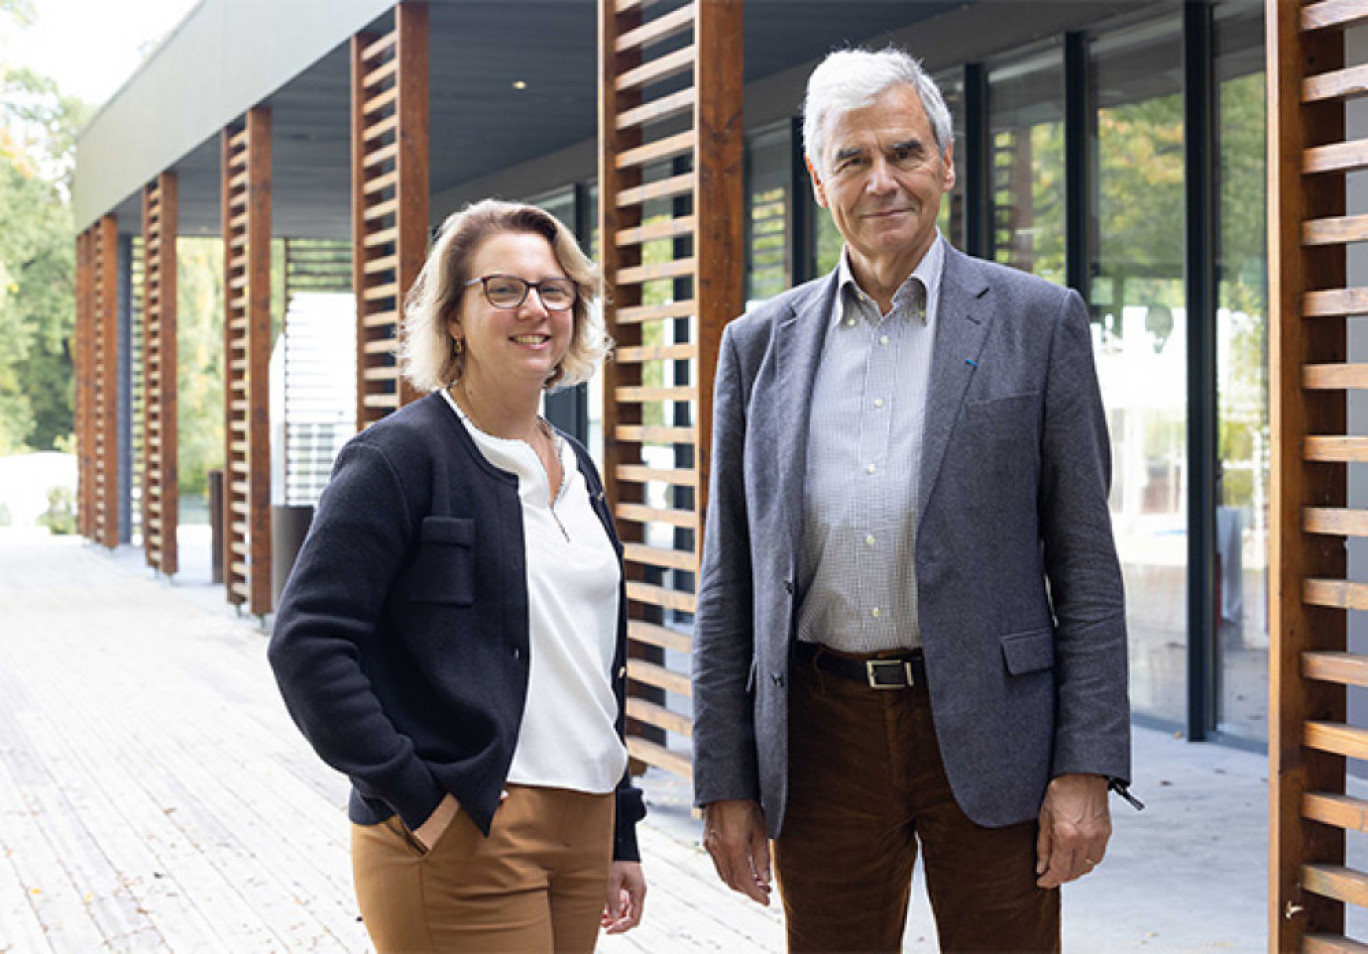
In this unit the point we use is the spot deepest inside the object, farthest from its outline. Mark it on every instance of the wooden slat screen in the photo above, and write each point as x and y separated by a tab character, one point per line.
1310	667
161	491
82	356
389	84
672	246
104	371
246	200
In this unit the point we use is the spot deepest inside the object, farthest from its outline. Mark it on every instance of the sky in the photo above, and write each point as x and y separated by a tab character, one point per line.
90	47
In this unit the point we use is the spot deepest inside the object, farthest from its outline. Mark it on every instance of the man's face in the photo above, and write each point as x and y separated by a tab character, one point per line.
882	176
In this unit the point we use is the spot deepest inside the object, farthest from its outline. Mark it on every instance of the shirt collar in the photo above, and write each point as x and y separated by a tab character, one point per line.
928	270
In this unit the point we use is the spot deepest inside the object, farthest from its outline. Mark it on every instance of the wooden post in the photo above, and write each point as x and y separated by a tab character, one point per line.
389	199
81	361
720	205
161	491
106	382
671	230
247	350
1308	300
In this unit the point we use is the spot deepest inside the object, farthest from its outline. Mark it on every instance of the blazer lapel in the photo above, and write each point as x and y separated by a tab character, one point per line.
962	325
798	342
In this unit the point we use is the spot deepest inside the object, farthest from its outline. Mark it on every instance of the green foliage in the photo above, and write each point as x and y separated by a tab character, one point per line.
199	303
60	517
1243	292
20	11
38	128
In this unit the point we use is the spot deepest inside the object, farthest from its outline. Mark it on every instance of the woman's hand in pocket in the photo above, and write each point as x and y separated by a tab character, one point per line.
430	832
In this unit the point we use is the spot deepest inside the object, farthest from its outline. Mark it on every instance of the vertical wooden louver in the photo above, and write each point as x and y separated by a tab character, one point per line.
104	383
246	352
82	351
672	237
161	491
389	198
1310	379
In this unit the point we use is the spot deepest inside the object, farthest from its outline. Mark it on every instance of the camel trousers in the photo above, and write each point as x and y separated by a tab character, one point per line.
538	883
866	785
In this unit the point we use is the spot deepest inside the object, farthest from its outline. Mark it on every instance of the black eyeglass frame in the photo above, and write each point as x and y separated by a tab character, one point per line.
484	281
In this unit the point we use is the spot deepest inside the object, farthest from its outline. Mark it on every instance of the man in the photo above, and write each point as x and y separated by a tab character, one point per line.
910	624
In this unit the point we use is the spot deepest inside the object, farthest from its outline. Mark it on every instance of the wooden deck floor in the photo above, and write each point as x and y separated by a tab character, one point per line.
154	795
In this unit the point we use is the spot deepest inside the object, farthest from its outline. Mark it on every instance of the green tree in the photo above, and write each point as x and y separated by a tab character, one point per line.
37	290
199	341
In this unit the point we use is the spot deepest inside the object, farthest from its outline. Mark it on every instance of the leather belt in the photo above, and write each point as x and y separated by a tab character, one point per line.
894	672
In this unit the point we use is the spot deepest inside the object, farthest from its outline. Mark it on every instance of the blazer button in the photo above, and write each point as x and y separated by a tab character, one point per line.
777	678
788	587
517	653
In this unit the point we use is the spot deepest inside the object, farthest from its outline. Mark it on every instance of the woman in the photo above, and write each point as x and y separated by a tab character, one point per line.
453	636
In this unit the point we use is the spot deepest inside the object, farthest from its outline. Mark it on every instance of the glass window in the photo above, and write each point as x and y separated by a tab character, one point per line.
768	227
1026	164
951	220
829	240
1241	369
1137	294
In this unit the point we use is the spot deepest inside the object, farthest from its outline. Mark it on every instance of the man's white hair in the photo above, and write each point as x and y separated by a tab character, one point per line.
854	78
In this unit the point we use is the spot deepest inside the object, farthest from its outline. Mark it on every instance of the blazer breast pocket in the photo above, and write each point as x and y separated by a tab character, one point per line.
1013	410
998	442
444	570
1028	652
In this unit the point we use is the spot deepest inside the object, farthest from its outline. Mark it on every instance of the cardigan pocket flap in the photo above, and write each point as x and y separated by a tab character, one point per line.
1028	652
444	569
448	530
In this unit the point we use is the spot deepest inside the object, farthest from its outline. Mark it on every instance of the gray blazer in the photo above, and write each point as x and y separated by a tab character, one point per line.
1022	611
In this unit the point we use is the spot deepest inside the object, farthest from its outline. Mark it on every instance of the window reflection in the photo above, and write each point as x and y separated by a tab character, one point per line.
1136	293
1241	369
951	218
768	209
1026	164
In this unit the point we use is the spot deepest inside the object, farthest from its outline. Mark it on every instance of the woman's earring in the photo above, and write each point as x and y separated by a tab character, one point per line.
458	345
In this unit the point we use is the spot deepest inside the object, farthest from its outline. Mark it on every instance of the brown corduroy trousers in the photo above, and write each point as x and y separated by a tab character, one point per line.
866	786
538	883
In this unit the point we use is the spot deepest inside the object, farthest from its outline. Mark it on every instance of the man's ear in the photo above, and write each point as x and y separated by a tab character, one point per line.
948	180
818	191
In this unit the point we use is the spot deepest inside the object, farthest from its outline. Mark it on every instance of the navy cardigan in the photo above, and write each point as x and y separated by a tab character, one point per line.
401	641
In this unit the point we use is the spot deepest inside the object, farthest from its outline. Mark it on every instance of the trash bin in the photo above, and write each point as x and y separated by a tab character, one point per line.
216	527
289	526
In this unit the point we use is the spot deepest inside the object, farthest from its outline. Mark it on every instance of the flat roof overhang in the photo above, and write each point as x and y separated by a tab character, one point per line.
229	55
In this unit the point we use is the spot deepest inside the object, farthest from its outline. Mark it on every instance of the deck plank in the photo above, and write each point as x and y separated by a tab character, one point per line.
155	792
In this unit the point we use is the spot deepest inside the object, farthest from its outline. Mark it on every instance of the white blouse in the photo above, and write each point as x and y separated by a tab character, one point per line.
568	738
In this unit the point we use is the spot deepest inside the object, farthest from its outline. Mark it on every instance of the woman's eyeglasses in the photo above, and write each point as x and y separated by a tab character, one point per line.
509	291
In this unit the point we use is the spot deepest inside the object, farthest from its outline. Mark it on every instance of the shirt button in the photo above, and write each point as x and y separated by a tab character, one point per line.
878	402
850	322
869	540
870	469
874	612
883	339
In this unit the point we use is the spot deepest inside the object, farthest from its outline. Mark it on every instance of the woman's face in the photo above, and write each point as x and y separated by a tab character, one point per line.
512	347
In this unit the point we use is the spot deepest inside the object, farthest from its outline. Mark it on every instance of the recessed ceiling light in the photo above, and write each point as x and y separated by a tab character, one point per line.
520	84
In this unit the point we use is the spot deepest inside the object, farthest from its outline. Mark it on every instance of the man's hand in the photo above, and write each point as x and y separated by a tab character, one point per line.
1075	824
626	897
734	834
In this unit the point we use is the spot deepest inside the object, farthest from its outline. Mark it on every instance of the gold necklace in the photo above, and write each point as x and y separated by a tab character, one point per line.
546	454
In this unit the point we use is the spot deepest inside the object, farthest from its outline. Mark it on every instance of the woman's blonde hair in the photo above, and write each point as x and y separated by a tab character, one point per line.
428	357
